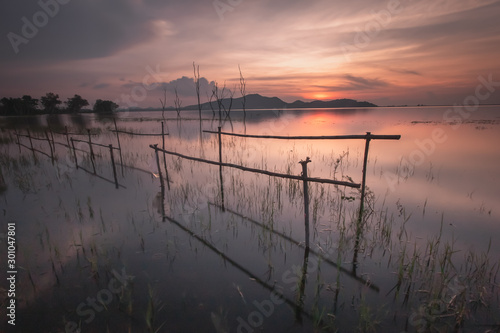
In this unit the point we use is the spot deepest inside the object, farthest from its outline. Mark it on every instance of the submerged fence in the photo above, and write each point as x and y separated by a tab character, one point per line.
48	136
304	176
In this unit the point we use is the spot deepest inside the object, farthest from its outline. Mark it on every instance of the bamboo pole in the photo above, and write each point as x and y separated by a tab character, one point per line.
29	137
95	144
264	172
113	164
119	146
90	145
307	137
155	147
74	153
92	156
363	182
220	169
31	144
139	134
53	141
50	146
18	142
67	137
306	199
164	157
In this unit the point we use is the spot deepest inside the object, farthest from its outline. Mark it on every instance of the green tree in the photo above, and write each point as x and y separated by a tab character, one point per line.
101	106
50	102
76	103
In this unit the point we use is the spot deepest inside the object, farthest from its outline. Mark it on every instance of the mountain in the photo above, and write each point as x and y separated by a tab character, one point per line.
256	101
336	103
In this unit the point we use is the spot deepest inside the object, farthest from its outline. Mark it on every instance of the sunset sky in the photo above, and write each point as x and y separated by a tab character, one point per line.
383	51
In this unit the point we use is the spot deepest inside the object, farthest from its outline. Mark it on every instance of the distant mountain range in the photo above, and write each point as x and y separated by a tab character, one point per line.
256	101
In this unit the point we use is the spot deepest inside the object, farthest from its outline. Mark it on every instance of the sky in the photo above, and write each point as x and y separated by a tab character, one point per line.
388	52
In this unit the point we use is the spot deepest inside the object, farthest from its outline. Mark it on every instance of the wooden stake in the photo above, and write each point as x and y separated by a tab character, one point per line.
119	145
363	182
31	144
18	142
92	157
113	164
220	171
158	165
67	137
53	141
306	198
50	146
74	152
164	156
29	137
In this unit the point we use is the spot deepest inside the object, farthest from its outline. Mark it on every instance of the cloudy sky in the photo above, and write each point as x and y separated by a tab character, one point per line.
384	51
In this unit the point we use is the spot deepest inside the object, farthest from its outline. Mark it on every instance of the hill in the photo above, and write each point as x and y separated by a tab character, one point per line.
256	101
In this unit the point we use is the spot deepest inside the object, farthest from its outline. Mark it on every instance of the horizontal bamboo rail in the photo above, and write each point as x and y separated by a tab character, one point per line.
140	134
264	172
95	144
313	137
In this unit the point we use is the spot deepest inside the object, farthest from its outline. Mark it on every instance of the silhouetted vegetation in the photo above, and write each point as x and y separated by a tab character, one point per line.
76	103
25	105
51	104
101	106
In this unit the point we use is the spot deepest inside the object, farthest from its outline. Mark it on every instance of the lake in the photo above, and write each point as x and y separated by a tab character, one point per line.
103	246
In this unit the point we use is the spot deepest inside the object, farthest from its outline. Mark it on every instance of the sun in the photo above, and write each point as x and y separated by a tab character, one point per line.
319	96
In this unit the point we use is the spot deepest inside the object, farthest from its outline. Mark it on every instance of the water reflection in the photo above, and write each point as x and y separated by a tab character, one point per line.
189	246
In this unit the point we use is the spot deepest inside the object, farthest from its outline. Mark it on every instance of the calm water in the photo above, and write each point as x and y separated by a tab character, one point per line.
230	256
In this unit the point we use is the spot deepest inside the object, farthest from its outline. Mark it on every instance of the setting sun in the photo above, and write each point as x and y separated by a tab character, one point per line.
320	96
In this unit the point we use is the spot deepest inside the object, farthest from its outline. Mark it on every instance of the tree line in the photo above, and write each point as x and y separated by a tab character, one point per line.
51	104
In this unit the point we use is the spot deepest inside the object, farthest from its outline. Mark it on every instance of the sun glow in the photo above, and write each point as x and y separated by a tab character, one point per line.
320	96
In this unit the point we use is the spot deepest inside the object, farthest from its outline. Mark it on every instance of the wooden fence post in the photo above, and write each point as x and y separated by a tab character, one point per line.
92	157
164	156
18	142
306	198
67	137
119	146
74	153
50	146
220	170
31	144
158	165
52	137
113	164
363	183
